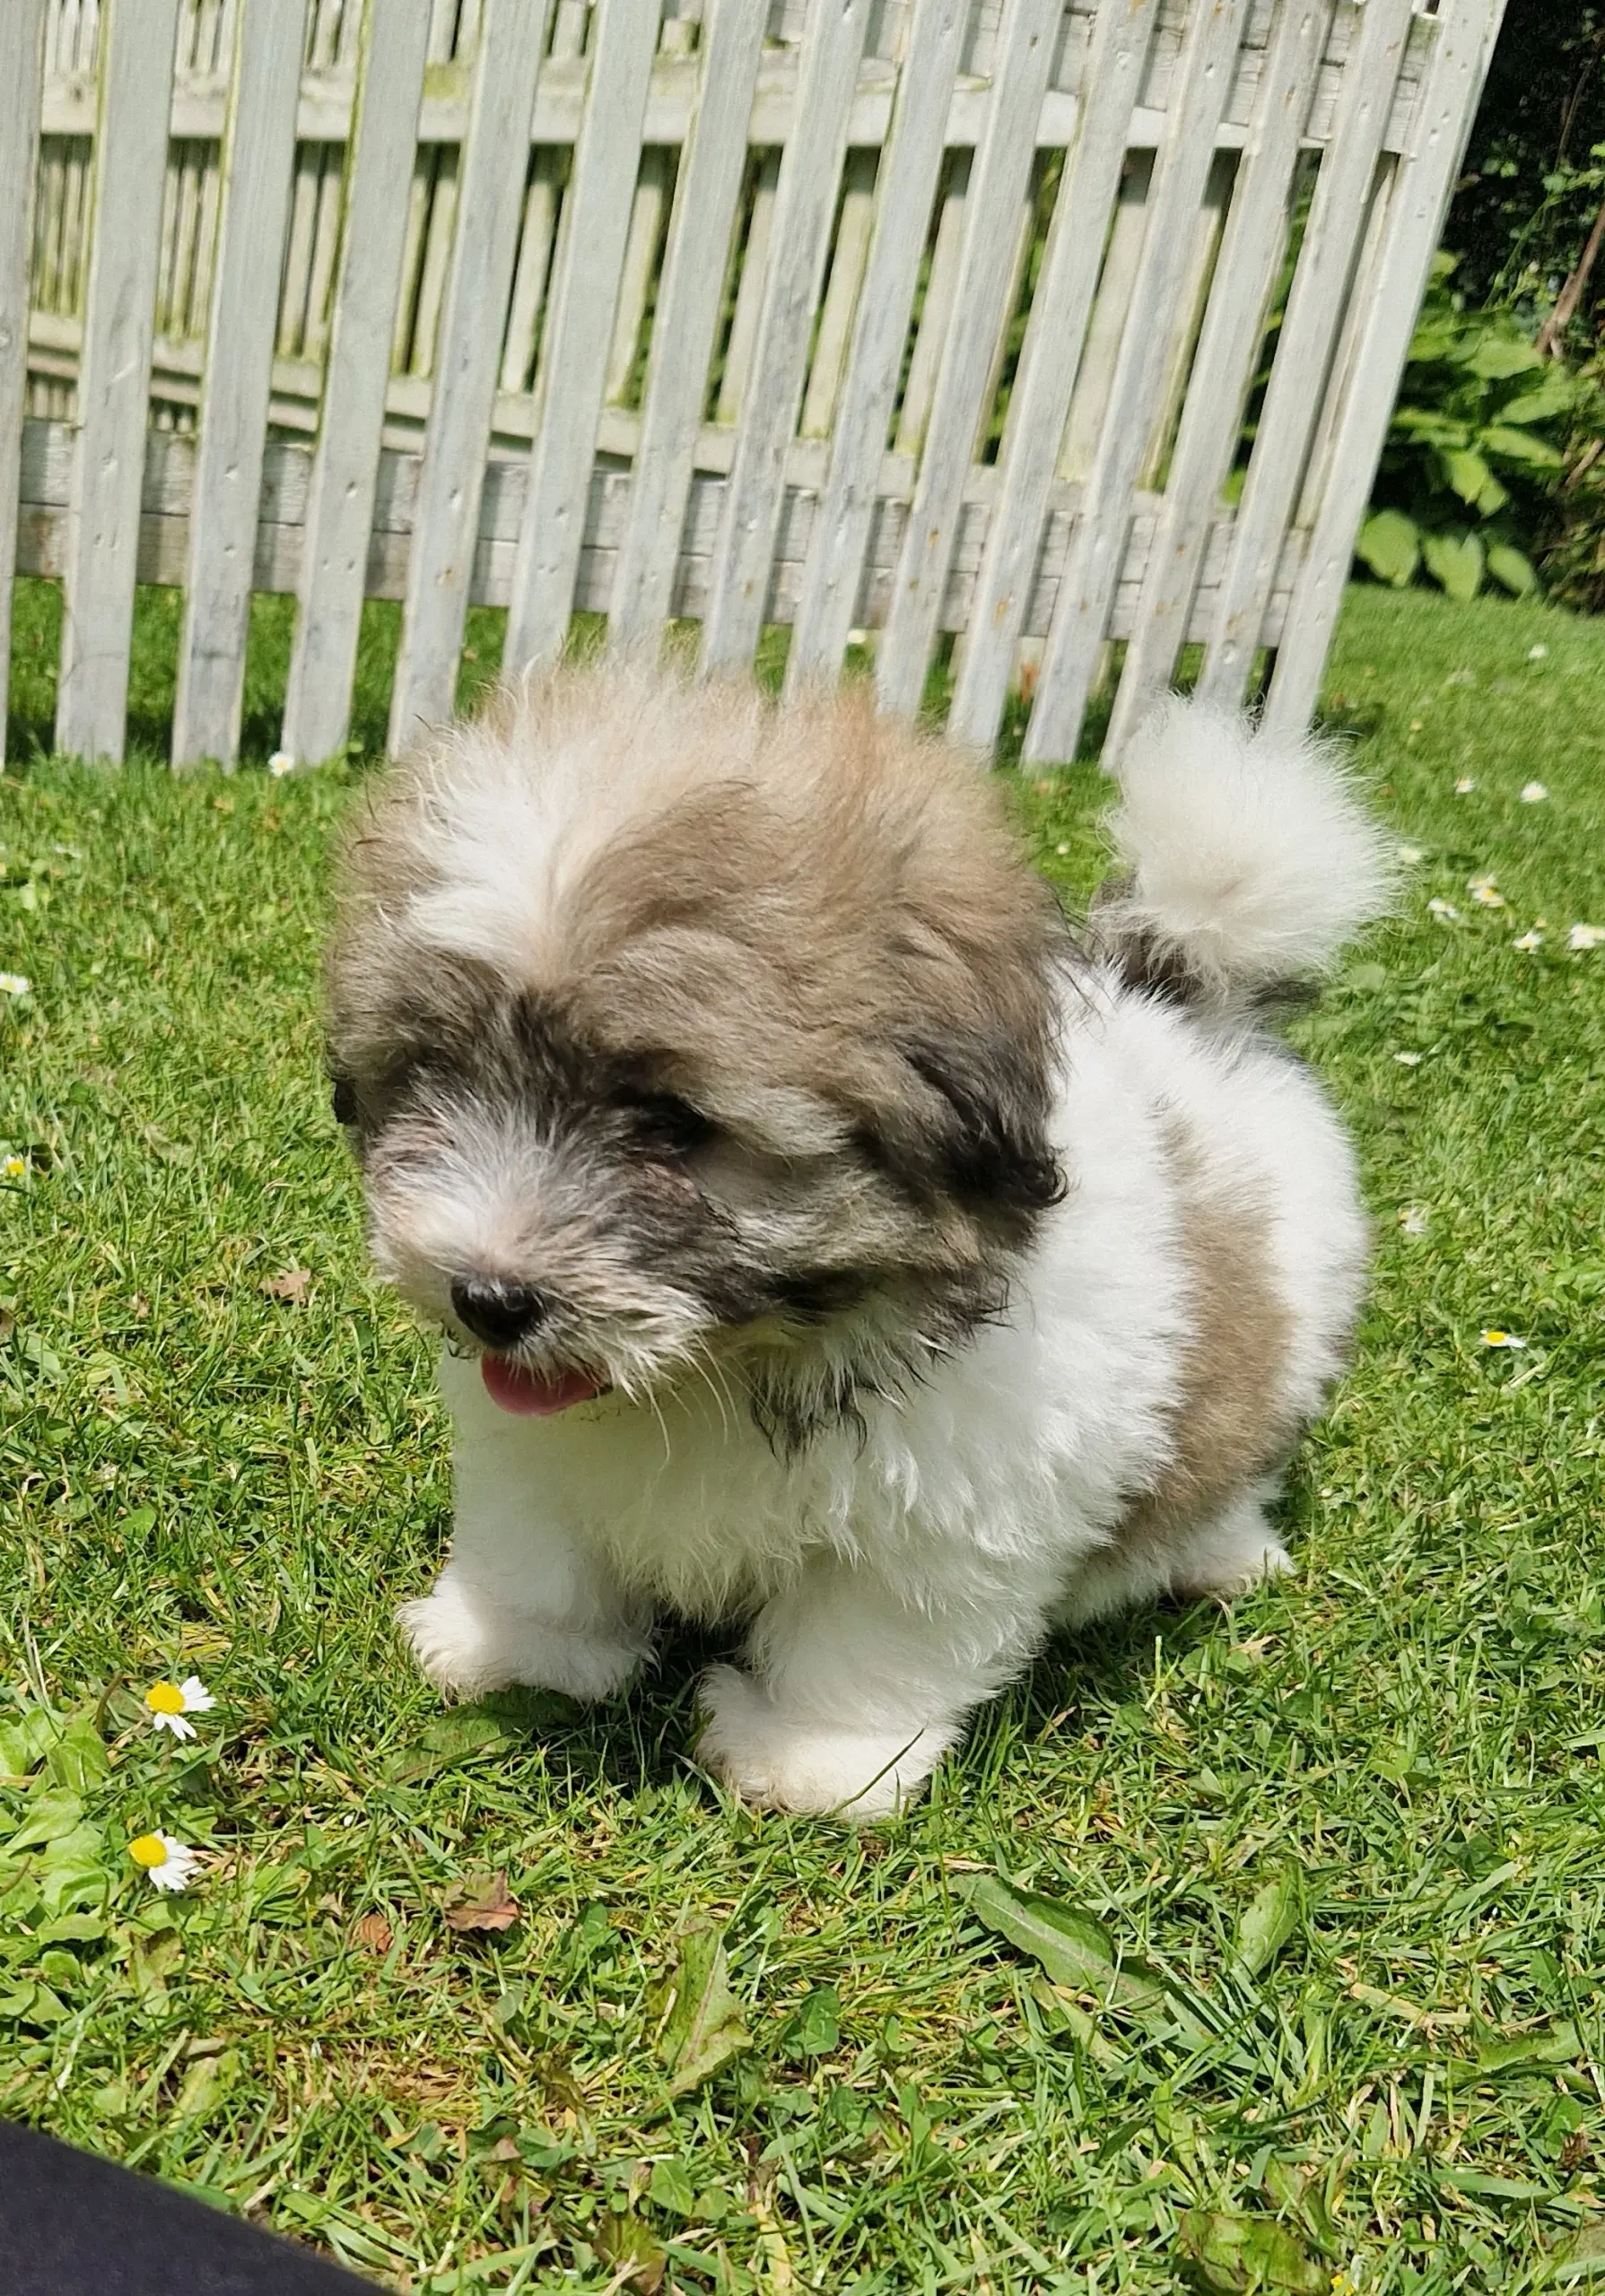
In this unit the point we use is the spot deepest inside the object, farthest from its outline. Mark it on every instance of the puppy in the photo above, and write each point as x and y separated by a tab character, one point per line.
824	1235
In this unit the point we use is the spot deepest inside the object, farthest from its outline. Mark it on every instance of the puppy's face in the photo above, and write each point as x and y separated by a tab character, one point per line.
678	1042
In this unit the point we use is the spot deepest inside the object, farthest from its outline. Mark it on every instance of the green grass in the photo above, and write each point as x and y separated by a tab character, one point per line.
1407	1735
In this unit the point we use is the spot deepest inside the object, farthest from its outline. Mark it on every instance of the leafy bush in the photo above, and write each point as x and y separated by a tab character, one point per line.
1475	447
1574	555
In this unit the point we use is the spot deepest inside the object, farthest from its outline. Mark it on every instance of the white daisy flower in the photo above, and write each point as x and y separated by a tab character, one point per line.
171	1865
14	984
1464	785
1486	893
1537	653
170	1702
1413	1219
1407	1059
1527	942
1411	853
14	1168
1586	936
280	763
1534	794
1444	911
1495	1338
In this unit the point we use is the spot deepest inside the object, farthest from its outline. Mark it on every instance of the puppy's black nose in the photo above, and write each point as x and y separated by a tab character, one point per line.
500	1314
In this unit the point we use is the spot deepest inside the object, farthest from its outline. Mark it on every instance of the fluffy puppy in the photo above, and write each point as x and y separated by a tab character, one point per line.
822	1235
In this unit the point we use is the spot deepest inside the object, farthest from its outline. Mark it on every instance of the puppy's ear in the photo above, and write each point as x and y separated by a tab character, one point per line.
988	1143
971	1122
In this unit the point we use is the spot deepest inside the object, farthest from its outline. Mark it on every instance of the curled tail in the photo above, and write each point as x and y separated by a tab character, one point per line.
1248	861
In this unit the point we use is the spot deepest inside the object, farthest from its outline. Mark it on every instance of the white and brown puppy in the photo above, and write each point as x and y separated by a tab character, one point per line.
824	1235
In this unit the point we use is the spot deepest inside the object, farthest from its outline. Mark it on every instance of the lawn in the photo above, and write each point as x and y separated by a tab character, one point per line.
1345	1844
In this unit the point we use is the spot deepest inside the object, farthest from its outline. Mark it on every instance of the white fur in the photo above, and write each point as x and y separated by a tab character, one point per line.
897	1575
1251	859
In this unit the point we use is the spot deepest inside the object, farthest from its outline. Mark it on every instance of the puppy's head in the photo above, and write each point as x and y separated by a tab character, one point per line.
678	1037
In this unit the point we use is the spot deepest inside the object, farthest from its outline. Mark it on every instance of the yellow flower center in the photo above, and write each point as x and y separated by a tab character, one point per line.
165	1697
148	1850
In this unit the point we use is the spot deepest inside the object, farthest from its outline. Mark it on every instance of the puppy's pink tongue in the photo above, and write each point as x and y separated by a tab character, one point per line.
531	1396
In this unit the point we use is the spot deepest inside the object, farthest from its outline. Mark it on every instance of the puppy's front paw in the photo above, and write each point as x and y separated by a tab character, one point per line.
467	1647
780	1760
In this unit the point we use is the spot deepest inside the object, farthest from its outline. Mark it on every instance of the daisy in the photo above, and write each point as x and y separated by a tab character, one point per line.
1410	854
1527	942
171	1865
1444	911
1485	892
1586	936
170	1702
14	1168
280	764
1537	653
1413	1218
1495	1338
1534	794
1407	1059
1464	785
14	984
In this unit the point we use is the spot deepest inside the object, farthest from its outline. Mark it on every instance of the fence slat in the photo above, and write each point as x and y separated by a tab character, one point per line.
490	199
136	63
345	465
1158	311
22	75
694	267
1422	190
1298	376
800	243
258	153
910	167
1251	256
1000	175
579	329
1048	361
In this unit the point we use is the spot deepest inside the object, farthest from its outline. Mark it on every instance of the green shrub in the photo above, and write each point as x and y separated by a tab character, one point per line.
1475	451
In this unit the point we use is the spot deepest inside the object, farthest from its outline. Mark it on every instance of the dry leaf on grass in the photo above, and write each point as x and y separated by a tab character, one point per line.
374	1933
294	1285
483	1902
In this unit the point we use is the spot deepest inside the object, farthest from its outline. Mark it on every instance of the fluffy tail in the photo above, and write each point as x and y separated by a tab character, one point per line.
1248	861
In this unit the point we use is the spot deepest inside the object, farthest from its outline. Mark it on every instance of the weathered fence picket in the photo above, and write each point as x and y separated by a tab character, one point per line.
895	321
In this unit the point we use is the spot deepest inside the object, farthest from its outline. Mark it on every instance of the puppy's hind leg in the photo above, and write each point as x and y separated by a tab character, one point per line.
855	1693
1233	1554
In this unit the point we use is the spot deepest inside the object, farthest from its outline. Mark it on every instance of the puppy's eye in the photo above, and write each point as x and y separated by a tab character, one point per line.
345	1100
666	1125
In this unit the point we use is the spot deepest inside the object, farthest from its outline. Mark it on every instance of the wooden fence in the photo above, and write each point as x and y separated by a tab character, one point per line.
912	316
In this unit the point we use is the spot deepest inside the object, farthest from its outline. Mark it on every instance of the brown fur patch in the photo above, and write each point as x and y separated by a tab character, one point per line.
1230	1426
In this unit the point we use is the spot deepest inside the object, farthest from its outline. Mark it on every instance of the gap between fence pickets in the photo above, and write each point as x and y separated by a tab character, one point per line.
22	72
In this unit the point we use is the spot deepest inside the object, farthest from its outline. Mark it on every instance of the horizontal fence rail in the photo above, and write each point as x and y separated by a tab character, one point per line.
1061	336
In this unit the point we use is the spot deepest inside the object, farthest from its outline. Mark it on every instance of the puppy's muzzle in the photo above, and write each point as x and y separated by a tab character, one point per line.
499	1313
